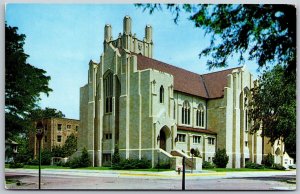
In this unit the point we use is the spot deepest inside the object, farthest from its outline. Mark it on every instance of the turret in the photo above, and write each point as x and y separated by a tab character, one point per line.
107	32
127	25
148	33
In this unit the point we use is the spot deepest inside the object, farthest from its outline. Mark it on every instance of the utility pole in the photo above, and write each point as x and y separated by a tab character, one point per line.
39	136
183	173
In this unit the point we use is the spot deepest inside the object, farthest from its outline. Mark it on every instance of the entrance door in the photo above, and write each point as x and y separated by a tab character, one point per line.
162	141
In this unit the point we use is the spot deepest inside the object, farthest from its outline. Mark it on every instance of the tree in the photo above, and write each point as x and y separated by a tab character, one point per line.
84	158
70	145
23	83
58	151
116	157
24	153
266	33
39	113
272	107
221	158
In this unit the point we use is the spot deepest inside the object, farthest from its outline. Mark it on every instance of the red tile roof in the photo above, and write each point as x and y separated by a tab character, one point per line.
195	130
209	85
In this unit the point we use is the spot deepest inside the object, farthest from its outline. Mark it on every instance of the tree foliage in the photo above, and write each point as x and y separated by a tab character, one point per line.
23	83
272	107
221	158
266	33
70	145
39	113
116	159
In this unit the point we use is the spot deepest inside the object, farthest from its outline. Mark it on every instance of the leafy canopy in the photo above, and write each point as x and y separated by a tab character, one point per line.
272	107
39	113
265	33
23	83
69	147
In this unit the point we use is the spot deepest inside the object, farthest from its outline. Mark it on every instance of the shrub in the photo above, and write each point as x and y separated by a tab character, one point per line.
67	164
82	161
46	157
278	167
221	158
58	151
60	163
33	162
16	165
254	165
116	157
75	163
164	165
197	153
133	164
269	160
85	159
207	165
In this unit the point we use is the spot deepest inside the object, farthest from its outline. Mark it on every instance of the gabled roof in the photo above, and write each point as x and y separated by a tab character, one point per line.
209	85
207	131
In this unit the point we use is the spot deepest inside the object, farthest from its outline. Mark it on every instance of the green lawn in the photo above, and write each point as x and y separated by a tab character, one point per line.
86	168
148	170
239	169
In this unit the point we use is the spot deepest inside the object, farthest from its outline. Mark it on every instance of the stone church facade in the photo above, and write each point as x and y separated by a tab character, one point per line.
154	110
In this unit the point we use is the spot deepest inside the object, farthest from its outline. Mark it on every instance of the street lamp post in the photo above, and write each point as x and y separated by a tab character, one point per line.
183	173
158	139
39	136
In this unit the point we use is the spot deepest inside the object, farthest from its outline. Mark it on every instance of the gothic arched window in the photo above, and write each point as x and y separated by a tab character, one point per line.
108	92
200	116
186	113
161	94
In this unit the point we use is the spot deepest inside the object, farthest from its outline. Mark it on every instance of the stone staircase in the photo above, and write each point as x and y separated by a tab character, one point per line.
175	159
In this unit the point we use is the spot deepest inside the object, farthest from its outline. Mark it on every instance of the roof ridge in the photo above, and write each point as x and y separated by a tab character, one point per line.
168	64
222	70
203	80
185	69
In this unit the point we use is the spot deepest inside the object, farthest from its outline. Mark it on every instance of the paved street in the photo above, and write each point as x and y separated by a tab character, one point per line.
139	180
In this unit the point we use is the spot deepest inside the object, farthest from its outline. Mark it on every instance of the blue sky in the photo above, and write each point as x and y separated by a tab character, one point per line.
63	38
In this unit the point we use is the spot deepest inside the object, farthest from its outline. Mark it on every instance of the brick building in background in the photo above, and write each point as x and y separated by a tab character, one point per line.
56	132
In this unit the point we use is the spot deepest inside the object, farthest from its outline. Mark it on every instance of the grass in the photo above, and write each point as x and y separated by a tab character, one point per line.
10	181
86	168
239	169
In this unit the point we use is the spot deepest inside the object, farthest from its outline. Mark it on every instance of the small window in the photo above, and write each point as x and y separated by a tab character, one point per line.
246	143
106	158
76	128
200	116
209	159
185	113
161	94
45	138
59	127
59	138
181	137
68	126
211	140
196	139
108	136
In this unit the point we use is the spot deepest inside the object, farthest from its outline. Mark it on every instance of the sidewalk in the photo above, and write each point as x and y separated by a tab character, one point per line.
154	174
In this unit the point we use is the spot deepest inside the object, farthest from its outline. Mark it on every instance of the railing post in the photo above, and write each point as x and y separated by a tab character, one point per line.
183	173
39	164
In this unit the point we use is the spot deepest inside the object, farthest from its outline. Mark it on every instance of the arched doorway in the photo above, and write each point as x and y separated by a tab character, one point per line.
162	142
165	139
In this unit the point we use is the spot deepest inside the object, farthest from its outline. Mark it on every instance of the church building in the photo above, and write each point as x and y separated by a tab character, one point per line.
158	111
